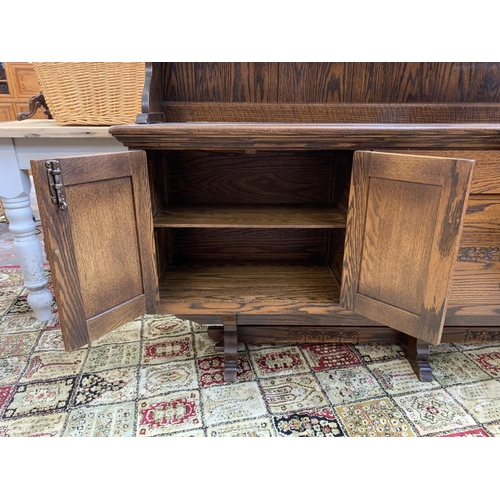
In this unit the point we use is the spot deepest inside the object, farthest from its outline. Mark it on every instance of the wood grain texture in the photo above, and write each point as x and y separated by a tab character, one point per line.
483	214
431	212
476	277
486	178
388	82
386	229
250	216
356	334
157	175
472	315
396	92
49	129
227	136
105	281
233	287
113	318
479	335
311	315
331	113
152	95
196	177
257	334
220	82
255	245
94	275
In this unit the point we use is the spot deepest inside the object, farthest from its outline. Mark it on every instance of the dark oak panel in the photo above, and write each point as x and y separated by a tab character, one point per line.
220	82
227	136
250	216
105	282
243	287
486	178
483	214
384	82
385	231
101	248
248	244
476	278
411	208
196	177
331	113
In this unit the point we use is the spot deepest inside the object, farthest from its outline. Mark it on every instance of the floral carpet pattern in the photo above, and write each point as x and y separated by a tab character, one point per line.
161	376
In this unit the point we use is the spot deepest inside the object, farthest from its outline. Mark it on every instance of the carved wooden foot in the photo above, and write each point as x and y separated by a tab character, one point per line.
417	352
230	347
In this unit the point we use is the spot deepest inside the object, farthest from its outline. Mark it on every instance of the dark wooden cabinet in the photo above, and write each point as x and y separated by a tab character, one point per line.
294	202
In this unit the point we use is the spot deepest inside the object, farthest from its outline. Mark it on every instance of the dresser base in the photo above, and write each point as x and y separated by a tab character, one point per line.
417	351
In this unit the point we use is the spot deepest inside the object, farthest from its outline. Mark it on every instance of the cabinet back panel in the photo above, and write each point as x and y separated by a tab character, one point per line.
261	177
220	81
248	244
375	82
157	180
330	82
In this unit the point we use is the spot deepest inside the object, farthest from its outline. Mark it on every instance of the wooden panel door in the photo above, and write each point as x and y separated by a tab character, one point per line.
404	223
100	244
23	80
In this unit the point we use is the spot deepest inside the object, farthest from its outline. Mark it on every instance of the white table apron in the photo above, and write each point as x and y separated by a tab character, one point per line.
21	142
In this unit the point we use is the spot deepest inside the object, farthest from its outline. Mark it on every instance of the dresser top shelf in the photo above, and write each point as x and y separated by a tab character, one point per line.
244	135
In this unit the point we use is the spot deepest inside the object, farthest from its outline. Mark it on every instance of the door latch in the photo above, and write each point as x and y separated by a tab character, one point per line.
56	185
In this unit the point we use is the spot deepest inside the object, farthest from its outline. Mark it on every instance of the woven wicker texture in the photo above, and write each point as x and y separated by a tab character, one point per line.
92	93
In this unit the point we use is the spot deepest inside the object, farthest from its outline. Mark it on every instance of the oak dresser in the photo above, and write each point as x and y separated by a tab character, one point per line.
289	202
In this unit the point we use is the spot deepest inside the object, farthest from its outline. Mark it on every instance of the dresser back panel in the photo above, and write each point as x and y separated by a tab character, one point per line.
326	92
260	177
331	82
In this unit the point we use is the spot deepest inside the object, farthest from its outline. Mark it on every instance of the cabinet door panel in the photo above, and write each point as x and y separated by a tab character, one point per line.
486	178
404	222
100	249
23	79
7	112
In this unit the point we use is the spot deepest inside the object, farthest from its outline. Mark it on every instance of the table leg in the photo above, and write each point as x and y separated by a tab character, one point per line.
29	254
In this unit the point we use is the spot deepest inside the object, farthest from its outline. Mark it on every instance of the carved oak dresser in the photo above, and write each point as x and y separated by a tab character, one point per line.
289	202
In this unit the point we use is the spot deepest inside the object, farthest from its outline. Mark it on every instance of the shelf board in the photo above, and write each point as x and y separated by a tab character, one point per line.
250	216
321	136
199	287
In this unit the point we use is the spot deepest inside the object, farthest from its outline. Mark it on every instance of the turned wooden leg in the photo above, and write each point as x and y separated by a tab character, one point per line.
230	347
417	352
29	255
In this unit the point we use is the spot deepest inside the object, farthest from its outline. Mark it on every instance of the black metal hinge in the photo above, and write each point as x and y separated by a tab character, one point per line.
56	185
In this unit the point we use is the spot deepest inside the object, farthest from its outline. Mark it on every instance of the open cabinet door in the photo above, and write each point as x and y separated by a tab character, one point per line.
403	228
98	229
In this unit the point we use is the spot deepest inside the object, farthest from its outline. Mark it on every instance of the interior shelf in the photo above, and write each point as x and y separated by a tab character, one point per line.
283	283
250	216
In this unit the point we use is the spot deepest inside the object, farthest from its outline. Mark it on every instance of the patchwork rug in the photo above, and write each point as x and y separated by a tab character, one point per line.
160	376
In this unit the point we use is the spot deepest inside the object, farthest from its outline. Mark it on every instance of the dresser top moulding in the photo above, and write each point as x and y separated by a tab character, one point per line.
231	136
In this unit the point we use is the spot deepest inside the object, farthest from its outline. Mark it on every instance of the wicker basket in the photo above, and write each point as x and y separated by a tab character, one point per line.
92	93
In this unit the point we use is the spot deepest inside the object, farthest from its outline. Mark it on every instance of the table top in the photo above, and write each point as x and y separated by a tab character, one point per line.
49	129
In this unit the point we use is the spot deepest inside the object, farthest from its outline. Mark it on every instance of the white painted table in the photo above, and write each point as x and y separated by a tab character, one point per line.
28	140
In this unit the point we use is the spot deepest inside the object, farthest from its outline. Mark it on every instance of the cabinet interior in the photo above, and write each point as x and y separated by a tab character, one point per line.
250	226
